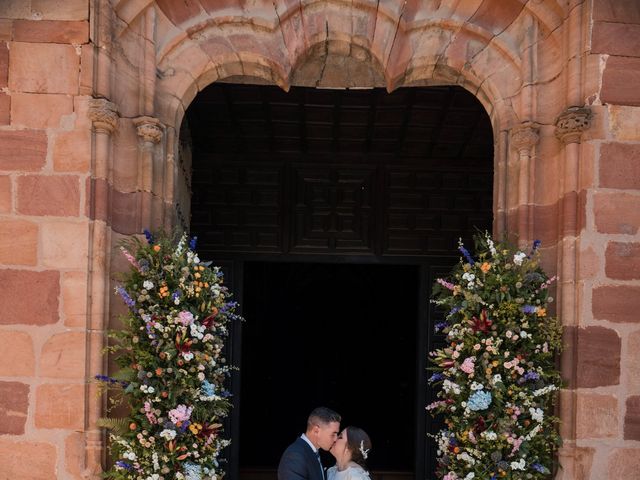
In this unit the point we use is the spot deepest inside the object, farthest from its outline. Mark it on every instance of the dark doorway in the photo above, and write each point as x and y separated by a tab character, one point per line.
334	184
338	335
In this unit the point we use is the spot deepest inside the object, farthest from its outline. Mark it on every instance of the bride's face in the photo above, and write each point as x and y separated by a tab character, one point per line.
339	449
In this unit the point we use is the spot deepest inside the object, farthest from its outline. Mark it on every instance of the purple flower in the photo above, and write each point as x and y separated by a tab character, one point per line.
531	376
466	254
529	309
125	296
123	464
435	377
440	326
536	245
193	242
148	236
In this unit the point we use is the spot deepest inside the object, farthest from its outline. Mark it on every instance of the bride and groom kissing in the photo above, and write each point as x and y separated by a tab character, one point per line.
350	447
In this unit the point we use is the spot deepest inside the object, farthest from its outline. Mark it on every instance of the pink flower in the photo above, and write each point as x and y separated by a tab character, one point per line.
185	318
468	365
181	413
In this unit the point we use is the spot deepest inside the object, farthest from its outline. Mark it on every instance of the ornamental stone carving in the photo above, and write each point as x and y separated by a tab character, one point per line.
524	137
103	114
571	123
149	129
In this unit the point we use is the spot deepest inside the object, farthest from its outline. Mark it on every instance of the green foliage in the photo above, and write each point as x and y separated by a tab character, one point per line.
497	372
172	370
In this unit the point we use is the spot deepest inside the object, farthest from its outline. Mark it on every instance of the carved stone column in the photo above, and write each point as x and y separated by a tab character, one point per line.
571	123
524	138
104	117
150	172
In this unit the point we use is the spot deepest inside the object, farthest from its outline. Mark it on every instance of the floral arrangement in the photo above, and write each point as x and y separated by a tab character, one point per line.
497	375
172	370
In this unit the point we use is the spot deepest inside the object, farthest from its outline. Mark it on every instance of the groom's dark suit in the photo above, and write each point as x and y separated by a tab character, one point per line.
300	462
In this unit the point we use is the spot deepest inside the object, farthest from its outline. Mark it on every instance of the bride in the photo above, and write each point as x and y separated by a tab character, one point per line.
350	450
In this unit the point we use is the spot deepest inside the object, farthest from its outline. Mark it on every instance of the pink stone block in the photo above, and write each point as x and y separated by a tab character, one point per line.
63	356
74	298
4	64
620	166
632	418
18	242
60	406
622	261
620	303
624	122
620	80
16	354
624	463
48	195
631	364
597	416
72	151
617	213
31	67
14	405
598	357
51	31
6	194
23	151
38	293
39	111
67	10
27	460
66	245
5	109
179	12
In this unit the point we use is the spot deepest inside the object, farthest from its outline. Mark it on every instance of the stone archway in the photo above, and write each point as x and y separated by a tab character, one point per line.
153	58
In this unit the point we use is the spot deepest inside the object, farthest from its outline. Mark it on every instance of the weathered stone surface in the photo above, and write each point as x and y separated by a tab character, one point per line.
624	122
72	151
5	109
57	195
624	462
74	453
63	356
67	10
14	405
622	260
125	211
620	166
617	213
16	354
66	246
39	111
6	25
619	303
74	298
496	16
4	64
27	460
23	151
179	12
616	11
38	293
51	31
632	418
18	242
597	416
60	406
6	194
598	357
619	81
32	66
631	364
616	39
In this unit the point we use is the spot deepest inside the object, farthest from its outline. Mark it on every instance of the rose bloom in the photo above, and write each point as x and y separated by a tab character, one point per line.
485	267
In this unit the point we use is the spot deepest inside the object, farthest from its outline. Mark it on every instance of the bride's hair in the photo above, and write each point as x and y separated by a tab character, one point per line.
359	444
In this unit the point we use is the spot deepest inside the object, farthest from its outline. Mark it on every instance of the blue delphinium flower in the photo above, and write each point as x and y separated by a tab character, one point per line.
536	245
124	465
193	242
480	400
529	309
466	254
440	326
125	296
540	468
148	236
435	377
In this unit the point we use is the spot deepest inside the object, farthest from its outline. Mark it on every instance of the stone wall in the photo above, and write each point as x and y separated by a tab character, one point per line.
92	96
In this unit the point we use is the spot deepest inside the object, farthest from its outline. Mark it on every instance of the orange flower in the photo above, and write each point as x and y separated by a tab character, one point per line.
541	312
485	267
156	248
158	371
132	426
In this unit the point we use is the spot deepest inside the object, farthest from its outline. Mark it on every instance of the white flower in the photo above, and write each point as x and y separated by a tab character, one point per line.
497	378
188	356
519	257
148	284
467	458
489	435
519	465
476	386
537	414
168	434
470	475
449	386
129	455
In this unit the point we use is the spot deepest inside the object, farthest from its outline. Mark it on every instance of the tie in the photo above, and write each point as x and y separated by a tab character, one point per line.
320	463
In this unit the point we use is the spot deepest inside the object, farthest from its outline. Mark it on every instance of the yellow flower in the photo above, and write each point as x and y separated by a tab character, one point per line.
485	267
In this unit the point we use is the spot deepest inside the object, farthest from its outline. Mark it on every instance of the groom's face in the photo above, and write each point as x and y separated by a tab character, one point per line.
327	434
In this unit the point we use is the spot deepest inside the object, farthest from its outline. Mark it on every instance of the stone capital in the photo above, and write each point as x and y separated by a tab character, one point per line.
571	123
149	129
103	114
524	137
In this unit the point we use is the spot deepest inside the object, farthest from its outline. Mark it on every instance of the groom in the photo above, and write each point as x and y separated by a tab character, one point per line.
301	459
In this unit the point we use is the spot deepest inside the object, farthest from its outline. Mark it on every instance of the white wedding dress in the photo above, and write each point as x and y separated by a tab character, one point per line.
353	472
